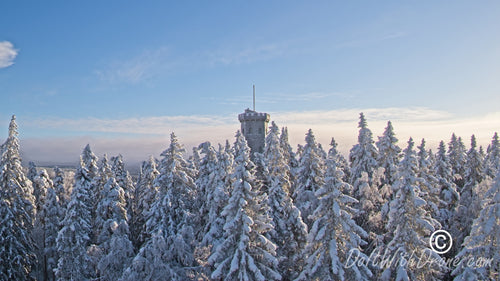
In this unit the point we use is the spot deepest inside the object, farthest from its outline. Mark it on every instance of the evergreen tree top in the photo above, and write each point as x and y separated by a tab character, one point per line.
473	142
284	134
332	152
423	155
105	167
310	139
175	147
410	146
13	127
365	135
273	128
442	150
89	161
409	162
494	147
87	152
362	121
442	166
205	147
389	132
11	145
388	140
241	148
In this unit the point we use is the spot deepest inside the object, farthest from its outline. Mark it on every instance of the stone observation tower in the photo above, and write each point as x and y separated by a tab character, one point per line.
254	127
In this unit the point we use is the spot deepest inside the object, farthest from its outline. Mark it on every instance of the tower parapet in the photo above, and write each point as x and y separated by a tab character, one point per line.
254	128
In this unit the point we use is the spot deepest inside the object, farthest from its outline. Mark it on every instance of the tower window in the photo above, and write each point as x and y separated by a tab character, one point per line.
260	131
242	130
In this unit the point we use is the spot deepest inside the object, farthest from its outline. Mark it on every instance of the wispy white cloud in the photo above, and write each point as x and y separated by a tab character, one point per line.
291	97
369	39
7	54
135	69
140	137
227	56
273	98
352	114
154	63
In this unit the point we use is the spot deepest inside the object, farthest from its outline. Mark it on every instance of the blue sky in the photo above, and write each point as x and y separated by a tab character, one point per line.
122	73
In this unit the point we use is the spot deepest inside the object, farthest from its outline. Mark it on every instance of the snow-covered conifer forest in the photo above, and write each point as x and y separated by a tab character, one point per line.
284	214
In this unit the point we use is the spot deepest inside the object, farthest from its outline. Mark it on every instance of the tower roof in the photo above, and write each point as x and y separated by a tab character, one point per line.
250	115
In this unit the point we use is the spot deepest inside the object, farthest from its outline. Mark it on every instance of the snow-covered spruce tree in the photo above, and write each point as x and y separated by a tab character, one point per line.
31	174
245	253
409	226
53	215
457	158
101	172
214	228
365	179
473	174
342	163
334	234
289	231
91	164
170	222
206	183
89	161
212	197
470	201
322	152
363	155
195	161
310	177
60	189
114	244
225	157
75	235
334	155
104	172
145	194
389	154
482	153
229	149
125	181
483	241
41	183
449	196
431	158
492	159
17	212
298	154
290	159
368	213
151	263
429	186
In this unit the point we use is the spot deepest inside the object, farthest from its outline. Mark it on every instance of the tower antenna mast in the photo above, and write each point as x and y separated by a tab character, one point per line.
253	97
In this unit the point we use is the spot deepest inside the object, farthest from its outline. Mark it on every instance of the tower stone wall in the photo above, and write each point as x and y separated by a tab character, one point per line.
254	128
